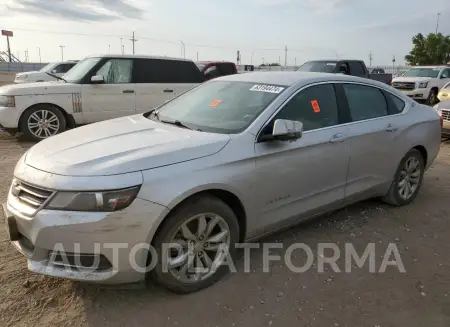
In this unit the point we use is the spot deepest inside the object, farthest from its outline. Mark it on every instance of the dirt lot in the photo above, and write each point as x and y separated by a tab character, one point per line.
419	297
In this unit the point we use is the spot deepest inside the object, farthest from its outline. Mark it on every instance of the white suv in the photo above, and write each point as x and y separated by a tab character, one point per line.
423	82
49	72
96	89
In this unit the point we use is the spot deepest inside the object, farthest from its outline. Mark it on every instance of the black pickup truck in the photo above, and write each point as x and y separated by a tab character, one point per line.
347	67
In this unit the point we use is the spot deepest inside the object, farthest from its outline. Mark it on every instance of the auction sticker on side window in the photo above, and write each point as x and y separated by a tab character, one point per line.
267	88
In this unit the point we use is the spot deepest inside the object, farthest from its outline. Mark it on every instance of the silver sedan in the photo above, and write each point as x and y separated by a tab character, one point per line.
229	161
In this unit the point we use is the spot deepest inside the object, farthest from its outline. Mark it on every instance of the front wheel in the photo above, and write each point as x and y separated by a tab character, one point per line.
204	230
432	97
41	122
407	180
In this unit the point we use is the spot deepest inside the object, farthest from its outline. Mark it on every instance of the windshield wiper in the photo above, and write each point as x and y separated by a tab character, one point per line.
173	122
57	77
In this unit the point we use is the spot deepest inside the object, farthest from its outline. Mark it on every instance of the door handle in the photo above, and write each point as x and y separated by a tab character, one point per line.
168	91
128	91
336	138
391	128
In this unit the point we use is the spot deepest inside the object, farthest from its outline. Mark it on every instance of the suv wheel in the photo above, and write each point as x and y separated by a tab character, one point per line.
41	122
407	180
204	230
432	97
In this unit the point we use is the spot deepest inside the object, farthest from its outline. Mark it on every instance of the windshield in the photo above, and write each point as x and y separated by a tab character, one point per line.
200	66
47	68
220	107
422	72
81	69
318	67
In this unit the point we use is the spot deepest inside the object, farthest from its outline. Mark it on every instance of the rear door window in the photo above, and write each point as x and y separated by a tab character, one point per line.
166	71
365	102
395	104
226	69
357	68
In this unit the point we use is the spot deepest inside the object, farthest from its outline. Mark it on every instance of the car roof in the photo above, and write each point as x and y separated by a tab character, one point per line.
290	78
109	55
437	66
214	62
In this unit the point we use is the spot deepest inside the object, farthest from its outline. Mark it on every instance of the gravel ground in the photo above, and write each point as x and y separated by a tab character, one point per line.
419	297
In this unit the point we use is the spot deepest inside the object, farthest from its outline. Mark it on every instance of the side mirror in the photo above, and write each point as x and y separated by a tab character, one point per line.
285	130
53	71
97	79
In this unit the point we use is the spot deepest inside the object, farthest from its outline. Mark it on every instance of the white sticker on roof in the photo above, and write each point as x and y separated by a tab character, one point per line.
331	64
267	88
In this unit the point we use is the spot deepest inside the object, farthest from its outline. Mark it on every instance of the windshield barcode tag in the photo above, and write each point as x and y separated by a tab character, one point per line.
267	88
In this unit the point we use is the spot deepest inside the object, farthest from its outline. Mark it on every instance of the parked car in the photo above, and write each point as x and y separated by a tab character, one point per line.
245	68
231	160
423	83
377	71
443	109
96	89
345	67
444	93
214	69
49	72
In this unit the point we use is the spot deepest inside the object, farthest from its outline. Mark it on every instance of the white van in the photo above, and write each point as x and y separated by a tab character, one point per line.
96	89
49	72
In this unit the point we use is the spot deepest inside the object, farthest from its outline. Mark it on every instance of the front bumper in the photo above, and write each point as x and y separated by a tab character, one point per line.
417	94
446	129
114	238
9	118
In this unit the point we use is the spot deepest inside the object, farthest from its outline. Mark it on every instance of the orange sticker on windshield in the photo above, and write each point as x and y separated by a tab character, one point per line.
215	103
315	105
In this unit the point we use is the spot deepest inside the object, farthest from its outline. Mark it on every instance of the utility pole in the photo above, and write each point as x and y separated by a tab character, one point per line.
134	41
40	59
393	64
197	56
295	61
109	48
285	56
437	21
121	46
370	59
62	52
183	49
26	55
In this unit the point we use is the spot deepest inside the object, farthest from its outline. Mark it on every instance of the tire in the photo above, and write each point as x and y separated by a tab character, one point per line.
49	117
394	195
193	207
432	97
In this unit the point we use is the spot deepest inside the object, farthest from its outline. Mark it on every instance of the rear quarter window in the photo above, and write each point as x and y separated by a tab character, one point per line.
395	104
226	69
166	71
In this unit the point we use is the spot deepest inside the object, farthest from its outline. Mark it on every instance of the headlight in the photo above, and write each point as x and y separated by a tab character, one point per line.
7	101
423	85
106	201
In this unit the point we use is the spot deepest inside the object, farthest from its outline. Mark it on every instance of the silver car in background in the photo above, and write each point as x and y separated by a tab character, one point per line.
229	161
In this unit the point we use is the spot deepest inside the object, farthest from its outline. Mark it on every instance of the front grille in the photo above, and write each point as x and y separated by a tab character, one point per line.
404	85
30	195
445	115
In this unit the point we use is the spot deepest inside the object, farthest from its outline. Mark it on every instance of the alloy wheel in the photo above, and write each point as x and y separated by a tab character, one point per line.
409	178
202	244
43	123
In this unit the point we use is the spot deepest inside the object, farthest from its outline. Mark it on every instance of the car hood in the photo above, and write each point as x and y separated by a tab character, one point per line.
401	79
121	146
28	73
53	87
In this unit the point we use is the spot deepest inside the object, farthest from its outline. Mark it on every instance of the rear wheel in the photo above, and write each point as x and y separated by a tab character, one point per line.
41	122
407	180
201	228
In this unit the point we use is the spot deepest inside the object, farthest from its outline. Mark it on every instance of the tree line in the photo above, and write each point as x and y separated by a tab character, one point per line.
433	49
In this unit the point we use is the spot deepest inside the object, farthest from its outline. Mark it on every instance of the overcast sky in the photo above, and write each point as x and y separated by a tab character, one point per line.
216	29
